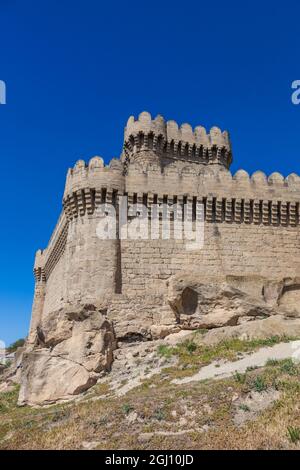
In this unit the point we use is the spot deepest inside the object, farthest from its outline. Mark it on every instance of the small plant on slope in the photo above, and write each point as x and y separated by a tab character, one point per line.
259	384
294	434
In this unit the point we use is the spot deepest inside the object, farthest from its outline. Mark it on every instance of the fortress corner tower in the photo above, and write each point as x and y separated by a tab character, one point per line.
251	227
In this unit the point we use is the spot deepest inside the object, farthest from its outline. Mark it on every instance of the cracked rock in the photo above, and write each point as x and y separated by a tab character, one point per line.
66	365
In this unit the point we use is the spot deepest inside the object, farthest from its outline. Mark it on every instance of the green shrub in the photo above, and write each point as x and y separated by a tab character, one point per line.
288	367
127	408
14	346
165	351
244	407
259	384
159	414
293	434
190	346
3	407
272	362
240	378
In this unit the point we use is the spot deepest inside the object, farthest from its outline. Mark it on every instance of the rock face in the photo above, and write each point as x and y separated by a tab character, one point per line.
210	303
73	348
9	376
140	318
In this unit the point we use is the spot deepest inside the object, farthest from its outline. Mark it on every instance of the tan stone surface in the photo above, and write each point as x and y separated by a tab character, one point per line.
203	302
74	347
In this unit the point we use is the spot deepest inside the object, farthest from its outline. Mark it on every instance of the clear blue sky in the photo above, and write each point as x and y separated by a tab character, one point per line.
75	70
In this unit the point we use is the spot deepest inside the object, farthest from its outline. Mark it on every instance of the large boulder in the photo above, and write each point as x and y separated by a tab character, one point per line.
73	349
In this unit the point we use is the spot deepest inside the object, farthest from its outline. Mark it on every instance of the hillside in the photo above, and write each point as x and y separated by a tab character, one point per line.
139	406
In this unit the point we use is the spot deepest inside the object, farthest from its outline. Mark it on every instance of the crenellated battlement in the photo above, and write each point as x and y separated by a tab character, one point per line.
168	141
161	165
161	157
93	174
92	184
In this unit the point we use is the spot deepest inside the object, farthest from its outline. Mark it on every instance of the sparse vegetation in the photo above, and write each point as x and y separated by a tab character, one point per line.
259	384
127	408
244	407
7	364
189	352
14	346
294	434
190	346
159	414
240	378
289	367
251	368
272	362
201	331
161	405
8	400
165	351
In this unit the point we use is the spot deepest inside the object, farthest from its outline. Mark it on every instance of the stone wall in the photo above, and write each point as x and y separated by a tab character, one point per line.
55	288
237	249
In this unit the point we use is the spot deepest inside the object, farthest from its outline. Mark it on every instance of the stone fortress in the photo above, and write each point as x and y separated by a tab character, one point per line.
251	238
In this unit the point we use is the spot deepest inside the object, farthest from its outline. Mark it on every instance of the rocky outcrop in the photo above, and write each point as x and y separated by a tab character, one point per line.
213	303
138	319
278	325
10	375
73	348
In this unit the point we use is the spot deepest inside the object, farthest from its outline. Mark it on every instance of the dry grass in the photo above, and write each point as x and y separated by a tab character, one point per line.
205	410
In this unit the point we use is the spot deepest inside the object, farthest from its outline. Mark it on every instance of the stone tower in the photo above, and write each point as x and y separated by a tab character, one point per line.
155	141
